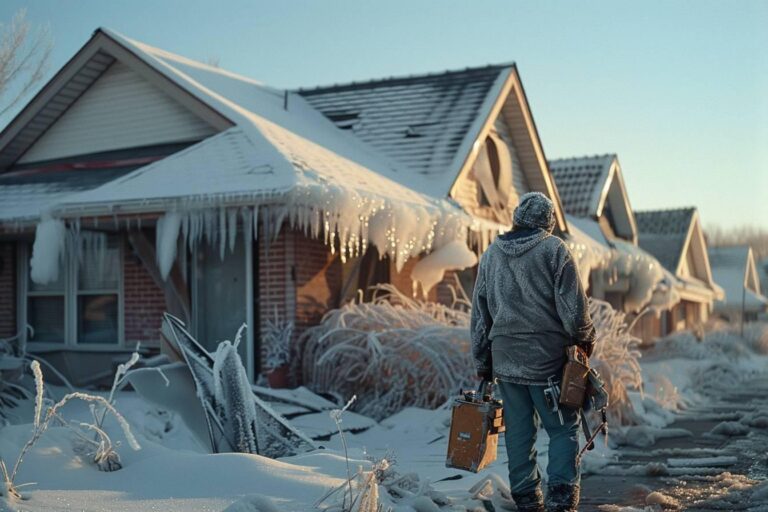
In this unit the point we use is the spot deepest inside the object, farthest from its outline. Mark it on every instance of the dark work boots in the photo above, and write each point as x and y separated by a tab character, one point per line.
563	498
529	502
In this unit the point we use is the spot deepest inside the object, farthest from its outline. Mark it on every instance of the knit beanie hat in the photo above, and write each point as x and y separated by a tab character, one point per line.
535	211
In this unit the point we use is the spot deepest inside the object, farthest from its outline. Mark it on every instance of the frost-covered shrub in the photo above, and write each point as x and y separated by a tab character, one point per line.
756	336
277	341
722	342
234	398
392	352
616	357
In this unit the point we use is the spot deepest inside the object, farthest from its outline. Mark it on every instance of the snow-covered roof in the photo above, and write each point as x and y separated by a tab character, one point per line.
277	143
24	195
587	185
664	233
733	268
426	123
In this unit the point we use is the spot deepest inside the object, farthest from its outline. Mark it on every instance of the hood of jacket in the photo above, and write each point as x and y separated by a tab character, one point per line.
519	241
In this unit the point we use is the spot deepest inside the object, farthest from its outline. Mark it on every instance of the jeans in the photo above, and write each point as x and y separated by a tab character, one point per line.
520	403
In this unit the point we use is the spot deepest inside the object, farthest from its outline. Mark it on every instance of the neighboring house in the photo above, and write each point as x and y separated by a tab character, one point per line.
138	181
735	270
593	188
676	239
596	203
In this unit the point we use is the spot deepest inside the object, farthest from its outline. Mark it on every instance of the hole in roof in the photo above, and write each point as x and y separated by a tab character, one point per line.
345	120
417	130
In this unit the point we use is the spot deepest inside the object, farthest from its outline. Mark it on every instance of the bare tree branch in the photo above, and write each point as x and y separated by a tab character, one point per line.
24	59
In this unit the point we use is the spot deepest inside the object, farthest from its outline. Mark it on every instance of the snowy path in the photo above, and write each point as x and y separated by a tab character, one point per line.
726	469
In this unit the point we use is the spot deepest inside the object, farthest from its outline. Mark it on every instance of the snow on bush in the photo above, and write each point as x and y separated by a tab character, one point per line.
277	341
616	357
234	398
720	342
391	352
395	352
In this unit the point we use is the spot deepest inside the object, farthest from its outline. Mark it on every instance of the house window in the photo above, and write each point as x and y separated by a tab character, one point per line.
98	295
83	306
45	310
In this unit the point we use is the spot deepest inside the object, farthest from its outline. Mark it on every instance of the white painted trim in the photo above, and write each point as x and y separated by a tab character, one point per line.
22	257
474	139
249	303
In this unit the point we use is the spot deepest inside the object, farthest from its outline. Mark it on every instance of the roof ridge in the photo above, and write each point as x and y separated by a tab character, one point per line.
165	54
584	157
403	78
667	210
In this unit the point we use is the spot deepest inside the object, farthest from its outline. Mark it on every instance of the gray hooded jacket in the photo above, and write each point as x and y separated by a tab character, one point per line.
528	303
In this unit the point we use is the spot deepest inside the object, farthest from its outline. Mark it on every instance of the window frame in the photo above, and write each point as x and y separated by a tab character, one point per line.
71	293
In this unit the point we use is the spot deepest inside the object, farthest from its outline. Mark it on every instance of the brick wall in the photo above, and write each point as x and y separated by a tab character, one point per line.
299	278
7	289
318	281
144	302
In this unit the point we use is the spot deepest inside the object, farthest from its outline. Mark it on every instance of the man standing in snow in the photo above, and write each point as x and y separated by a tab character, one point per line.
528	306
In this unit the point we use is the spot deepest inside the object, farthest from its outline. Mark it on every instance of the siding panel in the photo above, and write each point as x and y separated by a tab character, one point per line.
120	110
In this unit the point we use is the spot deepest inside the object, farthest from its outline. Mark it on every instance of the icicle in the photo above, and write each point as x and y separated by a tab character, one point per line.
166	237
47	251
222	232
255	222
232	229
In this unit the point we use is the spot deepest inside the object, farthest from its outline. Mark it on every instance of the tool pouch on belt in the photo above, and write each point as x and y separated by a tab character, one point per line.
573	386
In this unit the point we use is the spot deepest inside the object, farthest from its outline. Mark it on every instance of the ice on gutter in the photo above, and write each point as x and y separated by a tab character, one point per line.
613	262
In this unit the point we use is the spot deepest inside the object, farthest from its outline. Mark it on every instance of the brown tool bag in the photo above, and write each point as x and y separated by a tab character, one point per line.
573	387
476	421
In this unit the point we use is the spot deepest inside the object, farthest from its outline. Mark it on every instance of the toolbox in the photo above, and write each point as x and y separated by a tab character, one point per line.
476	422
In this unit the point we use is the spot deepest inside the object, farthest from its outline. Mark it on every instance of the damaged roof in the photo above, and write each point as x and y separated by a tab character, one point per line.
423	122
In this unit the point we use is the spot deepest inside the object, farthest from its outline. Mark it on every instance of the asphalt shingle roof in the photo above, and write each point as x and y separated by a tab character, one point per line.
418	121
663	233
580	182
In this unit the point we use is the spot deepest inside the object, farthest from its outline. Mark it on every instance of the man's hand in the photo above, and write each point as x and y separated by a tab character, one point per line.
588	348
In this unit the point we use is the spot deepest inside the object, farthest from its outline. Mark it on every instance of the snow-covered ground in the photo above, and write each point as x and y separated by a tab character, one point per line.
172	472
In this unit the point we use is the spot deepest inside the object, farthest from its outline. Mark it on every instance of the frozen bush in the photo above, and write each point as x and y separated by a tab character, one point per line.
616	357
392	352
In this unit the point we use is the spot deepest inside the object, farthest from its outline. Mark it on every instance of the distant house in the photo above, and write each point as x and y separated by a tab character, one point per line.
597	206
138	181
676	239
593	188
735	270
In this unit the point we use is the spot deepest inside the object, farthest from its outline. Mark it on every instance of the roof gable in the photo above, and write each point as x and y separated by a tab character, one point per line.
118	110
75	78
675	237
594	187
734	268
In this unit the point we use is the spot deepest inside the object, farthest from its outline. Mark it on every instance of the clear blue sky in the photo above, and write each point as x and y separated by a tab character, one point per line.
678	89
